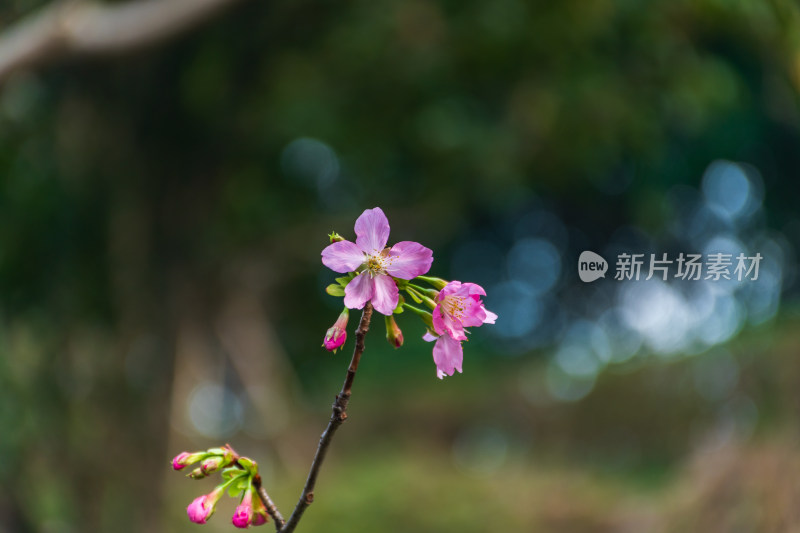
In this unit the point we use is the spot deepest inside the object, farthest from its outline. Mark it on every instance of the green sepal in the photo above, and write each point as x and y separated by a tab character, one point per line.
334	290
217	451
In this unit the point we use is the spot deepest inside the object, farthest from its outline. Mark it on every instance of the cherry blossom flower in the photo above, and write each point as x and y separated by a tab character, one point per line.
378	264
459	306
447	354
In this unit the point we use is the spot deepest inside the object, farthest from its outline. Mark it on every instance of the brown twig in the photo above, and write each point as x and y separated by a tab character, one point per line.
84	27
267	501
338	416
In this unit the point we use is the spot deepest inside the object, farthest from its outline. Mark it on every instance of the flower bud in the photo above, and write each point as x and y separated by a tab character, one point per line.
203	507
335	237
260	515
336	334
212	464
393	333
197	473
438	283
185	459
244	511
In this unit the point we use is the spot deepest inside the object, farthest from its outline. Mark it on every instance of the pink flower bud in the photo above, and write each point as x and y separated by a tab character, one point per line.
202	507
185	459
260	516
336	334
393	333
212	464
199	510
244	512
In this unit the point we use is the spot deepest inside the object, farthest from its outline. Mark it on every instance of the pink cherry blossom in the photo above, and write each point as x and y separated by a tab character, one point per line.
458	306
447	354
336	334
375	283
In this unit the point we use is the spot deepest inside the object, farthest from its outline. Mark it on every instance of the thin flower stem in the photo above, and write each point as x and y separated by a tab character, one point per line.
419	296
430	293
338	416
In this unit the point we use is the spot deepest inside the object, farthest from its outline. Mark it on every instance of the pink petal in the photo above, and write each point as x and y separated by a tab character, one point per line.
473	313
409	259
490	317
359	291
450	288
429	337
372	230
386	295
473	288
448	356
342	256
444	324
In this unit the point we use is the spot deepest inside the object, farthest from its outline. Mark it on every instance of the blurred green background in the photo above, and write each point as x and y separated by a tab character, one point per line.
162	215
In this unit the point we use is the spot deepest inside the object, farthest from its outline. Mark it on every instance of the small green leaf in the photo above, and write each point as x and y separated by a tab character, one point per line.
334	290
344	280
231	472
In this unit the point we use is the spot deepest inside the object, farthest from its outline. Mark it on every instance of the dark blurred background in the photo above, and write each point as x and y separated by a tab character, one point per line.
162	214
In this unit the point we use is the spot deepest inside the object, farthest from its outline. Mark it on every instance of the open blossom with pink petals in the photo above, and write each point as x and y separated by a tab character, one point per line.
447	354
459	306
378	264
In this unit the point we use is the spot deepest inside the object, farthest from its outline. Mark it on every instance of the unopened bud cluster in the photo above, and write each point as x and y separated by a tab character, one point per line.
238	479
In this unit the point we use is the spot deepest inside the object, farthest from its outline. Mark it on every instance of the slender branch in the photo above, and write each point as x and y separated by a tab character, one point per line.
83	27
267	501
338	416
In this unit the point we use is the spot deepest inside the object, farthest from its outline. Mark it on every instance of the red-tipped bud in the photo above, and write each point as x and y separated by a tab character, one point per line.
212	464
335	237
244	511
203	506
337	334
393	333
185	459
